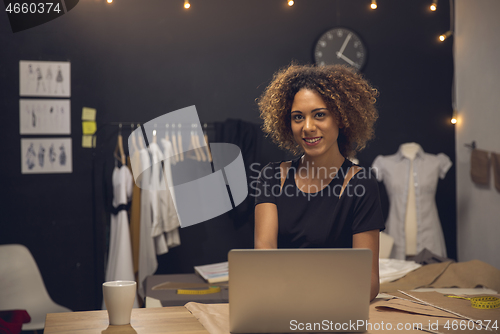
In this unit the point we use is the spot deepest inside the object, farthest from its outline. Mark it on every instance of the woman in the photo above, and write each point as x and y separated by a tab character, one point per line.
319	200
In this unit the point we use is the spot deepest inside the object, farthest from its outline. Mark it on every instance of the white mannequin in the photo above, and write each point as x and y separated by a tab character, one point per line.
409	150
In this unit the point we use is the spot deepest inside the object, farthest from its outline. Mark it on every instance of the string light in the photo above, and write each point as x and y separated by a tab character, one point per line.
110	1
374	4
454	117
434	5
290	3
187	4
445	35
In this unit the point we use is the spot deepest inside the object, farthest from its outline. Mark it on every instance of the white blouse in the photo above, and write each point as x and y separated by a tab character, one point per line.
394	171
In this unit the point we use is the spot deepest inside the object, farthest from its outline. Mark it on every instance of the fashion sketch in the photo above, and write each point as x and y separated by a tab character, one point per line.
39	80
30	77
44	116
52	154
59	80
30	157
44	78
48	78
62	156
46	155
41	156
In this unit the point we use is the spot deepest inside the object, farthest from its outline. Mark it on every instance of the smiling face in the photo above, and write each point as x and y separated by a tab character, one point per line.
314	127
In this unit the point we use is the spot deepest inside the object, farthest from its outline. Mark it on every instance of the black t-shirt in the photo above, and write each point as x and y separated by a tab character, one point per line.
321	219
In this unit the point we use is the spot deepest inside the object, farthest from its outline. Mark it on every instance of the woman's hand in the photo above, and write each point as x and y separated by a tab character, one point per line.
370	240
266	226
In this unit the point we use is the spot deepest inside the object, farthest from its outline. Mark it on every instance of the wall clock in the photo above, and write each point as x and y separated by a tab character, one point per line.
340	46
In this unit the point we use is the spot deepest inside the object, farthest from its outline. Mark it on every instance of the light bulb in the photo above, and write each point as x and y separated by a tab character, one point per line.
374	4
454	117
110	1
433	7
290	3
187	4
445	36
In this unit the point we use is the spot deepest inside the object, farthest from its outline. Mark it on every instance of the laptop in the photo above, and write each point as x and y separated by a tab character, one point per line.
299	290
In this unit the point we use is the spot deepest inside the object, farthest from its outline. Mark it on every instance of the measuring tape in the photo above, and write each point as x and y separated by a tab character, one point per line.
483	303
212	289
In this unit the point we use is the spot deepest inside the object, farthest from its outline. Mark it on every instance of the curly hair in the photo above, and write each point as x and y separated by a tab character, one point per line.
346	93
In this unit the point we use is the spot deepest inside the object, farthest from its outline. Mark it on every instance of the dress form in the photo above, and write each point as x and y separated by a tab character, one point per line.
411	185
409	150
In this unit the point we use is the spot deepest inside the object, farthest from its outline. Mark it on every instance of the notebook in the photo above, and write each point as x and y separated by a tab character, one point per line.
299	290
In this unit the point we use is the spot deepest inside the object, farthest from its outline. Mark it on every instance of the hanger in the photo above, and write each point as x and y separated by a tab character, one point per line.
140	140
192	144
179	137
167	137
132	139
471	145
209	154
174	144
154	135
198	144
171	159
119	152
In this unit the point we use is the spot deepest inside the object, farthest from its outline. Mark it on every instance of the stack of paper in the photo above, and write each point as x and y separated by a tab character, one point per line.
214	273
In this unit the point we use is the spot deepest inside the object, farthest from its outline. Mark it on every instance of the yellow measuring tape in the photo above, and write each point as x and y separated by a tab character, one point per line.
212	289
483	303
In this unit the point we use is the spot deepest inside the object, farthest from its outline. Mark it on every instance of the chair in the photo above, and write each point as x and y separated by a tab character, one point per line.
22	287
386	243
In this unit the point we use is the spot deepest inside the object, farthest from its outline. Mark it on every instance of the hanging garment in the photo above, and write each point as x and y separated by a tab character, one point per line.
120	266
159	221
393	170
147	254
247	136
495	159
480	167
169	213
157	184
165	220
135	213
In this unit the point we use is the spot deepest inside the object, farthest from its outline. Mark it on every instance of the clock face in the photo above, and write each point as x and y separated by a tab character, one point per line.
340	46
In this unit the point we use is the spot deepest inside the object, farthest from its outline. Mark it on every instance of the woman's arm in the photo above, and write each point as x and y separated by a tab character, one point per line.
266	226
370	240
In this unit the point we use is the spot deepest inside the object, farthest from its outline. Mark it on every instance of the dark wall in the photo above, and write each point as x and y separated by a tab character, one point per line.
136	60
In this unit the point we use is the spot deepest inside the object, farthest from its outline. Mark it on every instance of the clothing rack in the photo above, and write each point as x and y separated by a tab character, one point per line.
99	231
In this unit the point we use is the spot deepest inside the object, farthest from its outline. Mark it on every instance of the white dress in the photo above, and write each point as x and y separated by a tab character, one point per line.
120	265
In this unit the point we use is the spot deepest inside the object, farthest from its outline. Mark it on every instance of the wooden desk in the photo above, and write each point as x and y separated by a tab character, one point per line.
168	320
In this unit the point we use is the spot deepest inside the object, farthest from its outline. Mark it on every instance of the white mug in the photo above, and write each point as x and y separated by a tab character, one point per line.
119	298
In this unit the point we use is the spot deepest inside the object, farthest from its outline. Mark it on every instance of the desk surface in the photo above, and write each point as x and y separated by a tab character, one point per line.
170	297
167	320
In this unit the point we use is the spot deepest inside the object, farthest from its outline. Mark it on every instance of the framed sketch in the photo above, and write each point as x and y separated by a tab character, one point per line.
46	155
44	78
44	116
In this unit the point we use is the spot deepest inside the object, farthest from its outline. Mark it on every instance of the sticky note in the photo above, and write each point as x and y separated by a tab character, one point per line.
87	141
89	128
88	114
